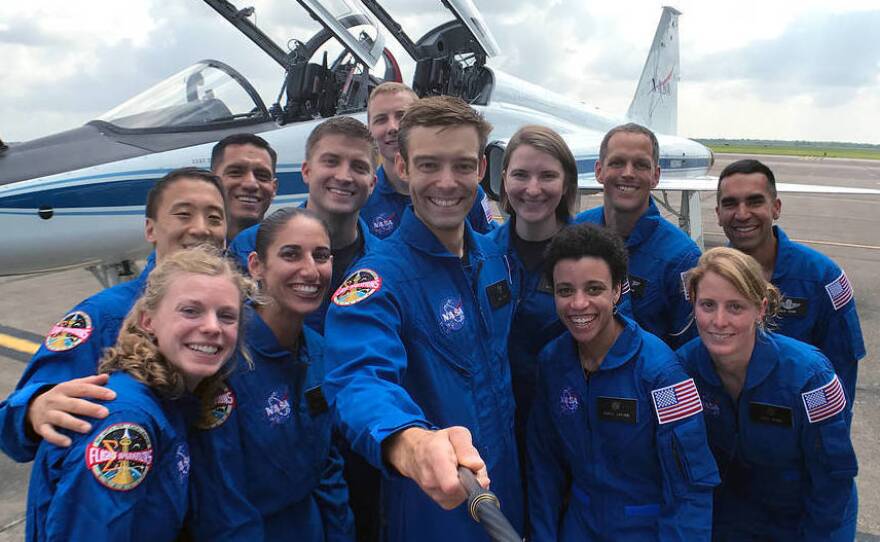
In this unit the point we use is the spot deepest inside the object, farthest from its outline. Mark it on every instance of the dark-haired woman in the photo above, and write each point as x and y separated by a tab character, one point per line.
775	413
268	470
616	442
128	477
539	193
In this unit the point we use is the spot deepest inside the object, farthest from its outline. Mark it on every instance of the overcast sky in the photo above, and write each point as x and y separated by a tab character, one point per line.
750	69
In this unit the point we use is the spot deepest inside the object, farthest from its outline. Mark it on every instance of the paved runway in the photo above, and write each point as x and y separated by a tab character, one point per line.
843	227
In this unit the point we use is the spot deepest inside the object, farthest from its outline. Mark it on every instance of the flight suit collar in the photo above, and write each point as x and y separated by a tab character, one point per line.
382	183
262	342
416	234
783	254
625	348
645	226
765	357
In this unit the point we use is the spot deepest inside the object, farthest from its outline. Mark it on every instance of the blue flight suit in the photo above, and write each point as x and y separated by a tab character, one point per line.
417	337
266	470
659	256
535	324
812	314
383	211
76	349
599	439
128	479
246	242
783	478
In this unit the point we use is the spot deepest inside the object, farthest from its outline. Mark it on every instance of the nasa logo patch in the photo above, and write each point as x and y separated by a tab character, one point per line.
382	225
183	461
219	411
73	330
121	456
358	286
451	315
278	406
568	401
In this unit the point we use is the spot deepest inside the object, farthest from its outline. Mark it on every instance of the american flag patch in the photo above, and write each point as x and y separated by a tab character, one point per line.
840	291
684	285
677	402
825	402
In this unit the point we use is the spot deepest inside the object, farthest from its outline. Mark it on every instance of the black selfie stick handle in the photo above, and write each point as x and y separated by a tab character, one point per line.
484	507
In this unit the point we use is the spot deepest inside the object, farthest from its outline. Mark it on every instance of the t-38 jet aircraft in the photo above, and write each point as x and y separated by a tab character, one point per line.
76	198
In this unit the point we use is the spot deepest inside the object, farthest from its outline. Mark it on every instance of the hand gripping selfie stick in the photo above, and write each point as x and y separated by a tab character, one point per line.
484	507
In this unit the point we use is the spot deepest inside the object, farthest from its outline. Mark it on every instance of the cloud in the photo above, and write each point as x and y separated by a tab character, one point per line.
827	57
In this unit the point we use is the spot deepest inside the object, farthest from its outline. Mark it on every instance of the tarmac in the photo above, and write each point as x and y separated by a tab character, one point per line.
843	227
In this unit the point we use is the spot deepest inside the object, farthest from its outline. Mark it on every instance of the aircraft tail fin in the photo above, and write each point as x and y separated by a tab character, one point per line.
655	103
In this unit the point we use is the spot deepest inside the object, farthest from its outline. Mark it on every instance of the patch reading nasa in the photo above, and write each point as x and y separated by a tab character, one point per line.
316	401
568	401
451	316
795	307
121	456
382	225
223	405
278	406
181	457
616	409
499	293
358	286
637	286
770	414
73	330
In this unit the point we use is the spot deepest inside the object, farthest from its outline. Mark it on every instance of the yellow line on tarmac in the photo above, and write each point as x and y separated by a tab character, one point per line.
21	345
811	242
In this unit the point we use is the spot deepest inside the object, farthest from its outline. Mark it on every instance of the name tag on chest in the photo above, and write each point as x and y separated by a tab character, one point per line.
498	294
316	401
616	409
794	307
770	414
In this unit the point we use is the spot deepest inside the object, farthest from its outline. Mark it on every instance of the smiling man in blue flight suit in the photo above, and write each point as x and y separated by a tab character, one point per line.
185	208
384	210
417	340
818	305
659	253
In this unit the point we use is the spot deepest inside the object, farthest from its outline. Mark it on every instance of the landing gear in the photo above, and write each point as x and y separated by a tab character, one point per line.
689	218
111	274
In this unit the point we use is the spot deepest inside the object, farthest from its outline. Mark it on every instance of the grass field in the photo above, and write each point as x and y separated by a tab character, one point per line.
825	152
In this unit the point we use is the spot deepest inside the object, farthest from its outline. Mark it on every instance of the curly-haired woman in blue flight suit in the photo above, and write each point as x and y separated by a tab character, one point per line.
128	477
775	413
266	469
616	443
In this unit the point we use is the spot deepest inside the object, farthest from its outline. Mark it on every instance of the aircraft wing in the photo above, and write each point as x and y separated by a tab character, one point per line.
706	183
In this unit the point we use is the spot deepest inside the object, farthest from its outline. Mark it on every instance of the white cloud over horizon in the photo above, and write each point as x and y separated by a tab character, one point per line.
750	69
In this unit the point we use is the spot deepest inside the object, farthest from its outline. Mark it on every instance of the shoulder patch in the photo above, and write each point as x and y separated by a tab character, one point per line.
840	291
824	402
121	456
219	411
677	402
358	286
70	332
487	209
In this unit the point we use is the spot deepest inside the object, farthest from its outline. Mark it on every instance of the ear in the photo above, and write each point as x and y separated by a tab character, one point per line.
482	168
306	172
149	231
274	186
400	167
718	215
656	177
255	266
777	208
763	311
598	170
617	292
146	322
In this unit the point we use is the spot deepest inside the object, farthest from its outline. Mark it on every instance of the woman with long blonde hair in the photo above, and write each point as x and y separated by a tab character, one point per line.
128	478
774	409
